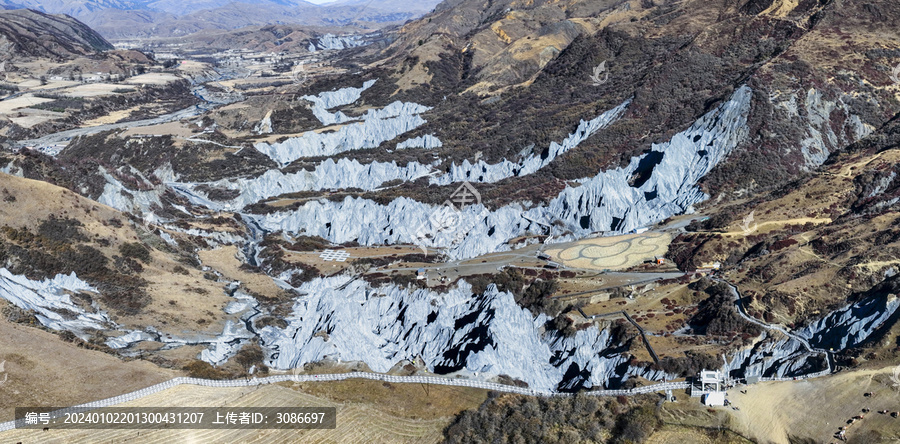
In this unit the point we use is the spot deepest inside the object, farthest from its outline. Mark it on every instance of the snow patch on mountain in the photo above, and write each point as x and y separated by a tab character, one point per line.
51	302
233	337
12	170
882	184
216	96
220	348
213	237
126	340
452	332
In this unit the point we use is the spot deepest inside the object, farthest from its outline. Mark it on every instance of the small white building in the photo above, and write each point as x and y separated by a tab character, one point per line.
714	399
709	385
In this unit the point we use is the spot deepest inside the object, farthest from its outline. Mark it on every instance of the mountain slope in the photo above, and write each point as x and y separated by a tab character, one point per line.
29	33
535	64
416	7
563	125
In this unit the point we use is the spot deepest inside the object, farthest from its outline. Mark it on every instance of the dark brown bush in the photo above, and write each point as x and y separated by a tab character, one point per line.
135	250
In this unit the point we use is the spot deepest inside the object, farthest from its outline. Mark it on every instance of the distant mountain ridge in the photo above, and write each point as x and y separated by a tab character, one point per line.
74	8
122	19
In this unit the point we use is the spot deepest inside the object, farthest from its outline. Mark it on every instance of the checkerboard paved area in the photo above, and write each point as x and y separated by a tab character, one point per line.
332	255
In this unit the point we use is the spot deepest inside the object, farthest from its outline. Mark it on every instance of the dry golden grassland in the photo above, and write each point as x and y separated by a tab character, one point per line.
367	411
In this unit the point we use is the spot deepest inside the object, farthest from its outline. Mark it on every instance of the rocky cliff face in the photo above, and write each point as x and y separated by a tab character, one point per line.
377	127
335	42
484	335
835	332
49	298
653	187
328	175
775	358
805	105
852	325
481	171
570	120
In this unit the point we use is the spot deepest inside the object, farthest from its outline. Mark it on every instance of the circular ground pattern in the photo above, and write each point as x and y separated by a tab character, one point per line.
614	252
